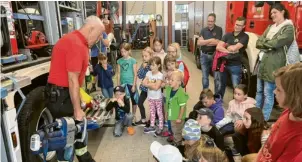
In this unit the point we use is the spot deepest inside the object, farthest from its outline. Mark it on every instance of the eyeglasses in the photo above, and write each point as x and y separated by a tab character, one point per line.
239	25
171	51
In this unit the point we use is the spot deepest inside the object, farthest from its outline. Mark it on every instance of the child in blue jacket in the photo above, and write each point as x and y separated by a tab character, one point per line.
214	103
105	72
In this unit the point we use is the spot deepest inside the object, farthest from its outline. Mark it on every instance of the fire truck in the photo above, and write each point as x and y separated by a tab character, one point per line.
258	18
29	29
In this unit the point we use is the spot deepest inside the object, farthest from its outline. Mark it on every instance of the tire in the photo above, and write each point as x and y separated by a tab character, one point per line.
32	116
113	56
197	58
246	77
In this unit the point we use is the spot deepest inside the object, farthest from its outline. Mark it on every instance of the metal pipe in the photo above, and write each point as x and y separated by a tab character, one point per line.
170	22
124	15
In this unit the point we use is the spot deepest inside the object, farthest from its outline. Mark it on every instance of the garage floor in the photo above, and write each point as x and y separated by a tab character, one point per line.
106	148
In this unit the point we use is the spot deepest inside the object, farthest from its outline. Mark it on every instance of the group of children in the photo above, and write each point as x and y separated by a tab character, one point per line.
242	121
162	86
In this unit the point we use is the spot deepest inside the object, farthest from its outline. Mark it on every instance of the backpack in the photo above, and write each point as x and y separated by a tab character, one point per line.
186	73
292	53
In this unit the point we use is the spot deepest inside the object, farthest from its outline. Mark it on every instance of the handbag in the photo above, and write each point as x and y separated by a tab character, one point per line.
292	53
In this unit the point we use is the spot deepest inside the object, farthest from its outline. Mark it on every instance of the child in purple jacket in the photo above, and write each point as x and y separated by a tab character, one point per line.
214	103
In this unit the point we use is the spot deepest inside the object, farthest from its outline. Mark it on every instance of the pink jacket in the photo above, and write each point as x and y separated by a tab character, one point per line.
235	111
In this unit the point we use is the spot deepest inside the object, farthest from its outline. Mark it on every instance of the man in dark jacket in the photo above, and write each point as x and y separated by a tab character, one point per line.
123	117
234	44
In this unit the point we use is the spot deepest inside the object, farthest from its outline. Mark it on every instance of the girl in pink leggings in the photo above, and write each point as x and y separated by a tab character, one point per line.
153	81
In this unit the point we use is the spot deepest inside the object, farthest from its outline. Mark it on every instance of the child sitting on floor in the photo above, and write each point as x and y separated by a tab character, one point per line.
214	103
123	117
234	114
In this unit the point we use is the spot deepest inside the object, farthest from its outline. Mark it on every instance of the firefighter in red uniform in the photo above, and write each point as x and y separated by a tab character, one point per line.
69	62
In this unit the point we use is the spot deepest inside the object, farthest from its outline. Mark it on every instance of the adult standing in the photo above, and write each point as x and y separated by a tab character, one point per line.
100	46
234	44
272	56
208	40
69	62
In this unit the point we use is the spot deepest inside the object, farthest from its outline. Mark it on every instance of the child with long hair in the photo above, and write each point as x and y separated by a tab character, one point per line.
147	54
127	75
153	81
284	142
158	49
251	140
234	116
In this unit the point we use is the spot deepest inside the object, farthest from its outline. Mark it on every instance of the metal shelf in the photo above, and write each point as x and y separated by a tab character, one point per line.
69	8
25	16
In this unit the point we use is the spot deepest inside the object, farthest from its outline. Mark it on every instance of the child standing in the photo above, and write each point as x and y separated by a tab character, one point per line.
153	82
127	75
170	65
158	49
123	116
235	112
105	72
147	54
174	50
176	101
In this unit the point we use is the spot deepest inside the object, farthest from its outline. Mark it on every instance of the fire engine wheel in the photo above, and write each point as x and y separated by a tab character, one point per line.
197	58
113	60
246	74
33	115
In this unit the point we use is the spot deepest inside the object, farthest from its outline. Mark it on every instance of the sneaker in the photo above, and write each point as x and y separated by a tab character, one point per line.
166	134
170	139
140	123
147	124
134	121
149	130
158	133
235	152
131	131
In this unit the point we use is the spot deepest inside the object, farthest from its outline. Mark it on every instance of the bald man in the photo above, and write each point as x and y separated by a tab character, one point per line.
69	62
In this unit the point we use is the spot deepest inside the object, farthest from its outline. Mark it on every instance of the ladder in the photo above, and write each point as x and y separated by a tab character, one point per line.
184	27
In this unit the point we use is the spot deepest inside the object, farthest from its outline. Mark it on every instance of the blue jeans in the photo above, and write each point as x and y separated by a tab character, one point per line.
206	67
121	124
107	92
221	78
265	97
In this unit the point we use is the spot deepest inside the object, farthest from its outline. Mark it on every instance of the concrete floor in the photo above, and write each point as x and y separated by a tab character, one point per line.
106	148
